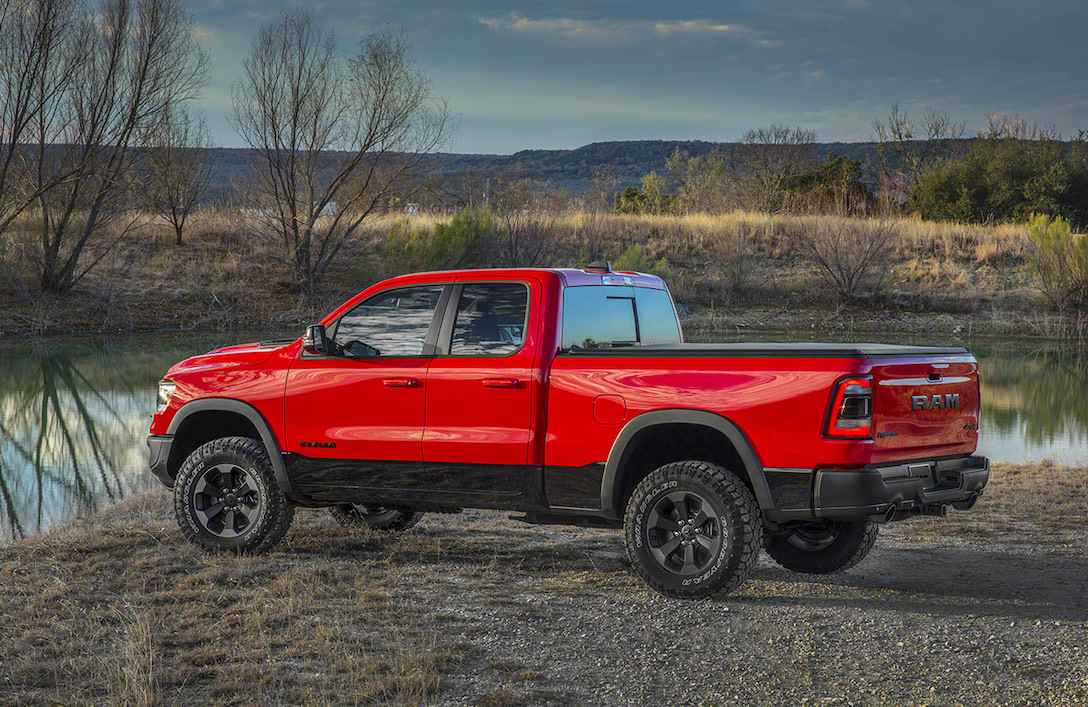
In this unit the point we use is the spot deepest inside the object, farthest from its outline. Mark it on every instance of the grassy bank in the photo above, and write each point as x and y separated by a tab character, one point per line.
118	609
747	268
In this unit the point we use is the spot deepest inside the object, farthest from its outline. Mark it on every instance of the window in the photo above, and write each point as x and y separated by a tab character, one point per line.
609	315
391	323
490	319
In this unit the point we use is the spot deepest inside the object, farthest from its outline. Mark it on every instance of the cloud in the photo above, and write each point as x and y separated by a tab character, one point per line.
620	30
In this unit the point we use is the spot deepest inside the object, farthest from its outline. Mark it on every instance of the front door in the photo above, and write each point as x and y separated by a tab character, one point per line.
355	417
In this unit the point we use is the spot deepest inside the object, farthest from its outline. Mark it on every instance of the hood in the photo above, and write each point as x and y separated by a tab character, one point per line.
237	356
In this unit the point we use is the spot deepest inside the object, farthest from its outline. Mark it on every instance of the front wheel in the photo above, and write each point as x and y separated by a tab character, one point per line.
226	497
692	529
823	547
358	515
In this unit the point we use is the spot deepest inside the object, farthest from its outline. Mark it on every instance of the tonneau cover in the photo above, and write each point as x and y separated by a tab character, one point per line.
798	350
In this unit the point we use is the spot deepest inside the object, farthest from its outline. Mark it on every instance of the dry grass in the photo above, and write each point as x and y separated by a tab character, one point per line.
229	273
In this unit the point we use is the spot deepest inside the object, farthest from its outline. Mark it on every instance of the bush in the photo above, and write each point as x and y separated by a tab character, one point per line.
1059	259
851	254
633	259
467	241
1007	180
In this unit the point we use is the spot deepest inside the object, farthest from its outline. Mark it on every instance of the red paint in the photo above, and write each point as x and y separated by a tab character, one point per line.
536	407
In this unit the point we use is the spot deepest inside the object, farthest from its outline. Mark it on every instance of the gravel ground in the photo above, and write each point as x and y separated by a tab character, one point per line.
927	619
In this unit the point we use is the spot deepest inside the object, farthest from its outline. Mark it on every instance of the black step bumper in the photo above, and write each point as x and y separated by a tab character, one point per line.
898	491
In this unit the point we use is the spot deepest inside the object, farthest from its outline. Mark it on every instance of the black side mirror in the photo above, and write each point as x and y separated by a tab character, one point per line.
314	340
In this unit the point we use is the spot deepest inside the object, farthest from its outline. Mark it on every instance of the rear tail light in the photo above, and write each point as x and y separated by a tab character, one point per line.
851	414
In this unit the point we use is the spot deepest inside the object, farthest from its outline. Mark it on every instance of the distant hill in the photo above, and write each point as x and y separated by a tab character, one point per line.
571	170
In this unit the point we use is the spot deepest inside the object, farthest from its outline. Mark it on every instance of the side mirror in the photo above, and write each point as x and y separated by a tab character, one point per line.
314	340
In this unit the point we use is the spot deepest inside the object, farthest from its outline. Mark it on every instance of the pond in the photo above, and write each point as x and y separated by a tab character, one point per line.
74	414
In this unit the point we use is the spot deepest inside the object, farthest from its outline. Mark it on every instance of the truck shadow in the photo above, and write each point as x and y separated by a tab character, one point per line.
946	581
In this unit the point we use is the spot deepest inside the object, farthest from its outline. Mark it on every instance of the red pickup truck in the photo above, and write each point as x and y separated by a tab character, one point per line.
570	397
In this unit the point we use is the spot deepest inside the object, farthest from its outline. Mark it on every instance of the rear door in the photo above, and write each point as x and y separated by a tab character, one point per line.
480	389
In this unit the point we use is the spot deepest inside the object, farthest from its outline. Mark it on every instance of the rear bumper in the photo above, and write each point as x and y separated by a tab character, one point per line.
898	491
159	453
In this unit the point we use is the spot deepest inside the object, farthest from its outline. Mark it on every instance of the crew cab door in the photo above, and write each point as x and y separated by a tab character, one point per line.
480	390
355	417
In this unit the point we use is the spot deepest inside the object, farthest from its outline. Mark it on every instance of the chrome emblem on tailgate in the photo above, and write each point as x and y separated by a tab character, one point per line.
936	402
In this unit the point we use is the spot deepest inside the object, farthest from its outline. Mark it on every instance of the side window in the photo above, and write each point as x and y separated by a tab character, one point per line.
490	319
391	323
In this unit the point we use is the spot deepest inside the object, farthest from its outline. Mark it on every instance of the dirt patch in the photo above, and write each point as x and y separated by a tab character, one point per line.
983	607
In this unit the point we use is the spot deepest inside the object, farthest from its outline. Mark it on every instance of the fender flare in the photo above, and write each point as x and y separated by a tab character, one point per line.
255	418
622	450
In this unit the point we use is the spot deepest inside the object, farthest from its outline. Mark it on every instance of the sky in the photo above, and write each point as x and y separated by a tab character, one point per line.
566	73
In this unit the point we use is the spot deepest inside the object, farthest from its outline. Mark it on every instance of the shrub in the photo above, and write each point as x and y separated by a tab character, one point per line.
467	241
633	259
1007	180
1059	259
851	254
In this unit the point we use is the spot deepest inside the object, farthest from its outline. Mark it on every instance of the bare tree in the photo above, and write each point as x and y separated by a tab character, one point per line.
1017	127
906	149
331	138
597	203
767	159
526	214
40	50
179	168
138	58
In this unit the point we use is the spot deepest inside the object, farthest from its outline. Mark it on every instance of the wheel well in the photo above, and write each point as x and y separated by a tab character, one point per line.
673	442
204	426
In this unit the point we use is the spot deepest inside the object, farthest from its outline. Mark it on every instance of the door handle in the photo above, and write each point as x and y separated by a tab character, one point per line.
502	383
401	382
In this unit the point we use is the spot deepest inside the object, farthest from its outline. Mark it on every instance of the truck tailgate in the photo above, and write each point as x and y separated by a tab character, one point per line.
924	407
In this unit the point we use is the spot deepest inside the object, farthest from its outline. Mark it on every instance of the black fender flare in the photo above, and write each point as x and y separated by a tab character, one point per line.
622	450
275	454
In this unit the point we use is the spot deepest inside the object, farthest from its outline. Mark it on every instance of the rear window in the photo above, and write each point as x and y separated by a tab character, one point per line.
610	315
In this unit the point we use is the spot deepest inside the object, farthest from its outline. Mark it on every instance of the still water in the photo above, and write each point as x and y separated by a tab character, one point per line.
74	414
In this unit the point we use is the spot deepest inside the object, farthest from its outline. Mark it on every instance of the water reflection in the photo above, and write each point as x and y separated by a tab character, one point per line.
1035	403
73	418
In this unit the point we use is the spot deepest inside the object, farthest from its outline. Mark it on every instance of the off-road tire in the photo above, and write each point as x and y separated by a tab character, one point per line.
677	545
231	472
824	547
374	517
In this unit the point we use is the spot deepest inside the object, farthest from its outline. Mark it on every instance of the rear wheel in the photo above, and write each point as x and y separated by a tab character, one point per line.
358	515
692	530
226	497
823	547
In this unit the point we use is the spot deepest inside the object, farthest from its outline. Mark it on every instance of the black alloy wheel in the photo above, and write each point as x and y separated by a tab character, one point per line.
226	497
692	529
683	532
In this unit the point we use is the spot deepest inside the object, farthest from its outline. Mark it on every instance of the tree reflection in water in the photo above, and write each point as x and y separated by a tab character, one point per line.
72	428
1042	396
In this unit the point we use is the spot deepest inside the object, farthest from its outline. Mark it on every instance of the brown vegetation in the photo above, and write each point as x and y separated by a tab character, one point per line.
229	273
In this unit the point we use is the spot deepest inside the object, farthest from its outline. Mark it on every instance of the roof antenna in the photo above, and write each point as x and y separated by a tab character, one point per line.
599	266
